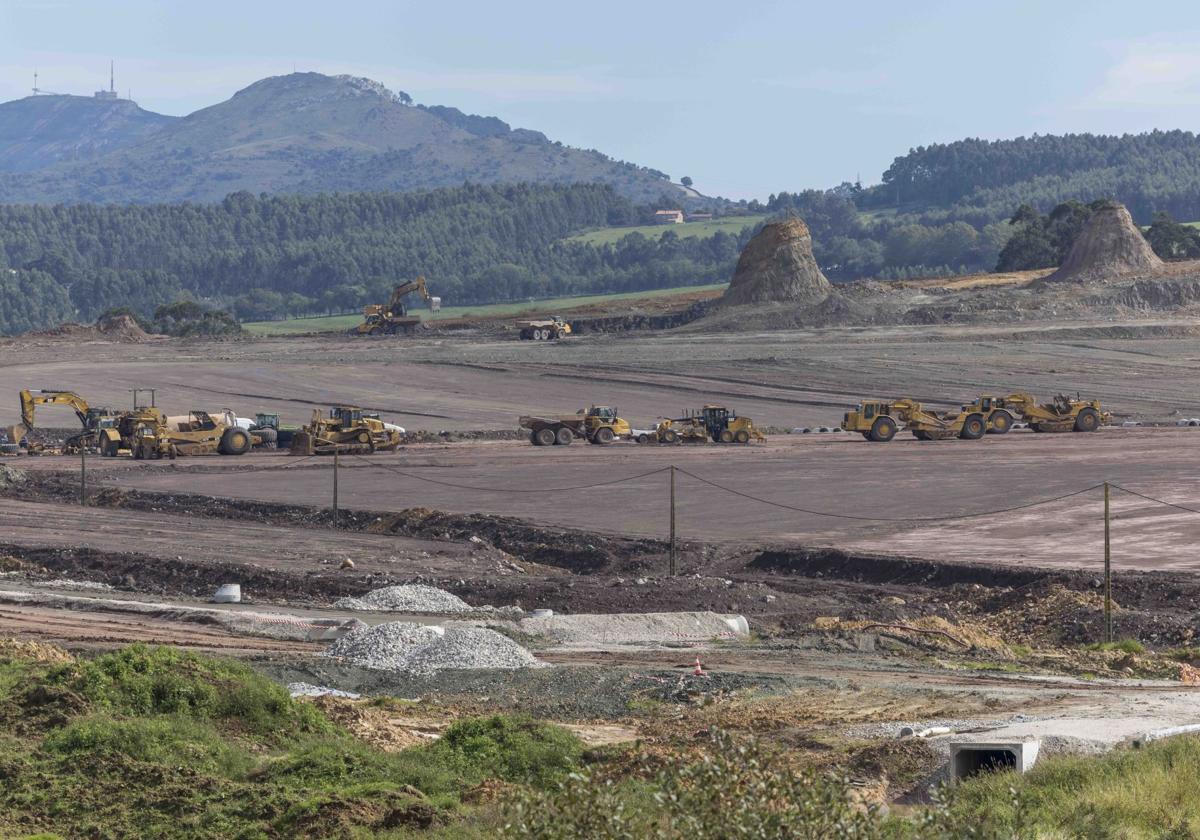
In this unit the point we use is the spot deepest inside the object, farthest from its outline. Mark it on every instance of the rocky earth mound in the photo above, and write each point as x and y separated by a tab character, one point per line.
1109	246
123	329
425	649
414	598
777	266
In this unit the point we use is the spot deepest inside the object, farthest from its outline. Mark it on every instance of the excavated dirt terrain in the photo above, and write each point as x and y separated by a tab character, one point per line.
902	597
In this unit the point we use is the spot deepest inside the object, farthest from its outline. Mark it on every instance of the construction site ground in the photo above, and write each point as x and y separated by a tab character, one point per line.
500	522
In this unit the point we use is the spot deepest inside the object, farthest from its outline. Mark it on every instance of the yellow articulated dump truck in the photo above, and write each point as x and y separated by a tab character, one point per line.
597	424
545	329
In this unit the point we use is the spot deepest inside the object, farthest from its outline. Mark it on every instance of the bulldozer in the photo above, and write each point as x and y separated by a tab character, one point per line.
599	424
393	317
345	429
148	434
90	417
879	420
714	423
1062	414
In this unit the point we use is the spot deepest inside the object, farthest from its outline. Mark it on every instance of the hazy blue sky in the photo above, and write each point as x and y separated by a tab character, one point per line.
747	98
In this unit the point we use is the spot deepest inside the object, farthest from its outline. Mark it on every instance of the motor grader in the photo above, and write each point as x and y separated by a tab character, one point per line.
599	424
89	416
149	434
392	317
879	420
345	429
714	423
1062	414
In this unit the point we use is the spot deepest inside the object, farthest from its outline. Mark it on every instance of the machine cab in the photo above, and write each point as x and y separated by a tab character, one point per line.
348	416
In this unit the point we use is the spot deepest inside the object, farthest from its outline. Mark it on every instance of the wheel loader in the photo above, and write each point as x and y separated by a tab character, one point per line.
878	421
90	417
345	429
599	424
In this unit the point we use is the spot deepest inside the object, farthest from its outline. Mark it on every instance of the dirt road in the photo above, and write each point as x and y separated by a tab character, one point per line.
840	476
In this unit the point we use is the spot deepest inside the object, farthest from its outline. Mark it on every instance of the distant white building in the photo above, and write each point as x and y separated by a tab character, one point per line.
668	217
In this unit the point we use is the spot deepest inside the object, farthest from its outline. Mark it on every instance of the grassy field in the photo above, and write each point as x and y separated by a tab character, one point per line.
610	236
342	323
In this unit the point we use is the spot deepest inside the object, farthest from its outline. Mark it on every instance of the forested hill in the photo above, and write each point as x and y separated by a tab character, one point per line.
300	133
985	180
296	255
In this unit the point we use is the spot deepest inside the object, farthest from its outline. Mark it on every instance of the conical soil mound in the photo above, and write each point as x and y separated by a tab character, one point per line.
777	266
1110	245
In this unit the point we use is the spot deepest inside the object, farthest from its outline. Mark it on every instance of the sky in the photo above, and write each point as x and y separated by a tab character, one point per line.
746	98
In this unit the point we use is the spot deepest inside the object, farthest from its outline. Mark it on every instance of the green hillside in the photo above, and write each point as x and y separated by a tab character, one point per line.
691	230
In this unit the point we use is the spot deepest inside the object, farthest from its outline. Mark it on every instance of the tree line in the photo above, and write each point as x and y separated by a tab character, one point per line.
275	256
981	181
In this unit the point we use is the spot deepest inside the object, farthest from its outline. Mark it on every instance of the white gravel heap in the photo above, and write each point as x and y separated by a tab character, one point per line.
425	649
410	598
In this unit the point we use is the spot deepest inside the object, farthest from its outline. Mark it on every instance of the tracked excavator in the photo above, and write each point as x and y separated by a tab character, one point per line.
91	418
393	317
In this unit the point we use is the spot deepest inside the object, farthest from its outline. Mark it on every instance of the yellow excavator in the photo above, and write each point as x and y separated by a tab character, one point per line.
393	317
91	419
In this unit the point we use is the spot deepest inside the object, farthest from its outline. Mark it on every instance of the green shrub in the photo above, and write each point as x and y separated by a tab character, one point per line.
343	763
142	680
169	739
513	748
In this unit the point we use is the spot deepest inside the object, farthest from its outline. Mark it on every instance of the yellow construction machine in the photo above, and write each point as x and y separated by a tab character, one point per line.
345	429
598	424
91	419
714	423
393	317
148	434
879	420
997	413
544	329
1062	414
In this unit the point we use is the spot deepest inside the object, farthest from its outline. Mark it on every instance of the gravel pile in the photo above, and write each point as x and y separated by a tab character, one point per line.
424	649
412	598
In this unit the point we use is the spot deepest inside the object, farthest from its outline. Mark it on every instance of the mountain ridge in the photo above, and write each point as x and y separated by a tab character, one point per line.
305	133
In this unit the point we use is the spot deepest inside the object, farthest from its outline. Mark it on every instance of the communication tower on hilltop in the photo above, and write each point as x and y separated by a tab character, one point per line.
111	93
37	91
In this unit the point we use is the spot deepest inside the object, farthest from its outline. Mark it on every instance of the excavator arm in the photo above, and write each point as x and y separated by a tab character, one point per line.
30	400
396	305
